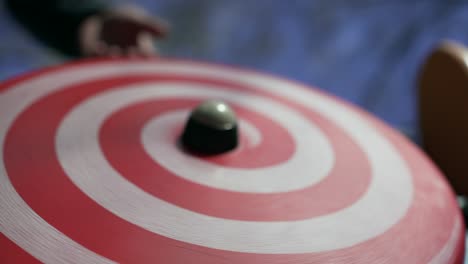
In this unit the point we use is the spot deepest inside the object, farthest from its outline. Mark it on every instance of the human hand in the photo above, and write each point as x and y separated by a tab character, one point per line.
126	31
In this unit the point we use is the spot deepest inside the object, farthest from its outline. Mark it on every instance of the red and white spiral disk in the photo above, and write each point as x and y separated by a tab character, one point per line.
91	172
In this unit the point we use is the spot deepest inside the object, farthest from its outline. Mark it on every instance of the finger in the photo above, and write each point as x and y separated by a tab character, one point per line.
114	51
89	42
155	27
132	52
97	50
100	49
140	52
140	18
145	45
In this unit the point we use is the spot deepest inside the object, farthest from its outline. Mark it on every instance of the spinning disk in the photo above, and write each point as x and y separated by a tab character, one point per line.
92	172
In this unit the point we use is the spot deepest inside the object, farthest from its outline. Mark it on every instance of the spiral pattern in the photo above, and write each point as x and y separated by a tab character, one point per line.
91	172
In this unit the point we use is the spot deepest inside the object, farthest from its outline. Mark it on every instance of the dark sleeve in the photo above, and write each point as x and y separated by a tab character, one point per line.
55	22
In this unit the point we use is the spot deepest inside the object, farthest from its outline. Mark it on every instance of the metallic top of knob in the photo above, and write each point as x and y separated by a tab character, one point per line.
215	114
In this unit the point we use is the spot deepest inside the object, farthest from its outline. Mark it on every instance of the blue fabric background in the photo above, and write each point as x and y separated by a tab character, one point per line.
367	52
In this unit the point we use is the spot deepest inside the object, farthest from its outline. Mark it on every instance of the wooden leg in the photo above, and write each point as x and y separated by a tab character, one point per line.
443	102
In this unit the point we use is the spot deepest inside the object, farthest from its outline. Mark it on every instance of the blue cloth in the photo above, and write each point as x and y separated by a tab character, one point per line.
367	52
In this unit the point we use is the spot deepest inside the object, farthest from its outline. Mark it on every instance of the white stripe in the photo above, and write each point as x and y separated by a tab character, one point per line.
18	221
391	184
253	136
311	162
365	219
29	231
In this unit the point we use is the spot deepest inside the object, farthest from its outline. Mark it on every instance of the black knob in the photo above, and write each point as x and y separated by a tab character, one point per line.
211	128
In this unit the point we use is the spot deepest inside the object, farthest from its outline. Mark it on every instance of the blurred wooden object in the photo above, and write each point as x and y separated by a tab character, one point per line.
443	91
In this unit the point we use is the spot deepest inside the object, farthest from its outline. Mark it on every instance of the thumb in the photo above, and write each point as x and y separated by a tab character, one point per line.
141	19
155	26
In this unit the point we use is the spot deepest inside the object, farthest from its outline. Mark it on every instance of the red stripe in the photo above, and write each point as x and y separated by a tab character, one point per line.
43	185
459	252
344	185
10	253
123	129
120	139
